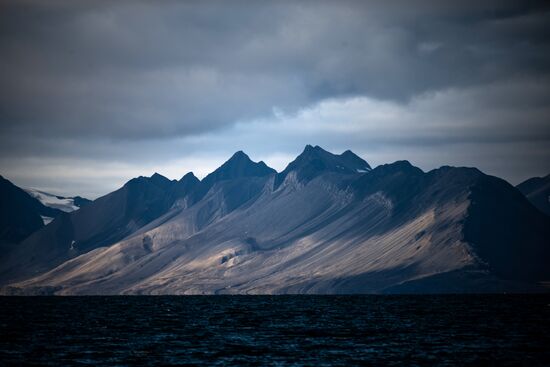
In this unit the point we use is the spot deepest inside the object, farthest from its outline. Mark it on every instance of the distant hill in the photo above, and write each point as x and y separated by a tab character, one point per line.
537	190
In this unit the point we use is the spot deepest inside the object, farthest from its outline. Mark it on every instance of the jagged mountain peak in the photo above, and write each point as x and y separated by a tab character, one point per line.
398	165
159	179
189	177
155	179
186	184
353	160
239	165
240	155
157	176
348	160
310	150
314	160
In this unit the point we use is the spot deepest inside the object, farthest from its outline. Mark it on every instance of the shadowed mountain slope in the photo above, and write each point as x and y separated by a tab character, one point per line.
100	223
20	213
537	190
239	166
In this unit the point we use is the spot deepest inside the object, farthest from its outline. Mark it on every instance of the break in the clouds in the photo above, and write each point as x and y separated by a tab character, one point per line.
94	93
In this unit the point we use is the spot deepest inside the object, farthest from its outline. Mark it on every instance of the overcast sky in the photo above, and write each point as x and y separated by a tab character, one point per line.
94	93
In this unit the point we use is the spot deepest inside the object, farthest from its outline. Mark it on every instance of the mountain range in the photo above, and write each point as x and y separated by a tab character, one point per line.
328	223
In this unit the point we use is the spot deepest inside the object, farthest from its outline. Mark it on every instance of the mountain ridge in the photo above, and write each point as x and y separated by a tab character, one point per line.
393	228
315	160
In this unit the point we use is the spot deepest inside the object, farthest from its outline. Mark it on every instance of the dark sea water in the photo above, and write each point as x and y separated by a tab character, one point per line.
276	330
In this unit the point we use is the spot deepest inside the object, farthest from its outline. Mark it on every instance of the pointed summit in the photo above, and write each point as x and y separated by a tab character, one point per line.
314	160
189	177
156	179
311	148
188	182
355	162
239	165
160	181
238	155
186	185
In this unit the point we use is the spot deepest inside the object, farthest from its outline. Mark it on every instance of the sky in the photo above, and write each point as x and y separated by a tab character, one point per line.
94	93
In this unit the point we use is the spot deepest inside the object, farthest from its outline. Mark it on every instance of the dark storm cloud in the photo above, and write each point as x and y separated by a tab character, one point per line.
140	70
134	80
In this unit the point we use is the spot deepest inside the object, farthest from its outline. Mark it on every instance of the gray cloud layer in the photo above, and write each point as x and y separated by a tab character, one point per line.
134	83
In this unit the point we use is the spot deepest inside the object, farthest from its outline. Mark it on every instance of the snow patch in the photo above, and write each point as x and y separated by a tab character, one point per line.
46	220
53	201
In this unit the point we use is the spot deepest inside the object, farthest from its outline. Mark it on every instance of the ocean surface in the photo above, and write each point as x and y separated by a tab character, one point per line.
276	330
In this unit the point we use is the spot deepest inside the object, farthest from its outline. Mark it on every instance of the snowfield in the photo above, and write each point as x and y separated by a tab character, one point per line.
53	201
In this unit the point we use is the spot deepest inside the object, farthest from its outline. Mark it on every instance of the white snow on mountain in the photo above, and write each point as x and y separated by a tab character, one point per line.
46	219
53	201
